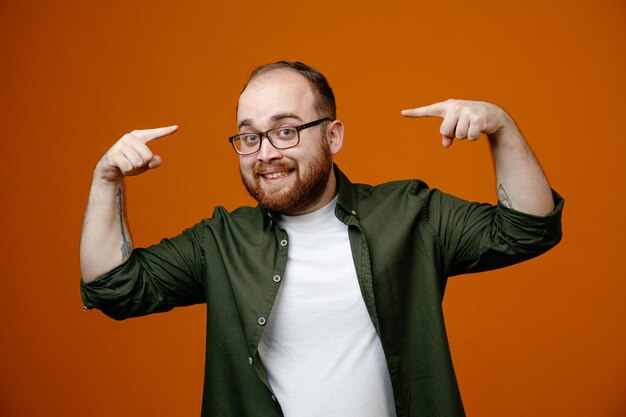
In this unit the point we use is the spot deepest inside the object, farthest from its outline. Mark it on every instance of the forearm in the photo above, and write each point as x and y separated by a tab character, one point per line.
105	241
521	183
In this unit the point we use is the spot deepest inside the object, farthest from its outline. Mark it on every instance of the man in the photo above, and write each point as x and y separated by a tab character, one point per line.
325	299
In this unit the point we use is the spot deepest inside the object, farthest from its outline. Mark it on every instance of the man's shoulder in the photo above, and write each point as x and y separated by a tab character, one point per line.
242	223
412	194
243	214
389	189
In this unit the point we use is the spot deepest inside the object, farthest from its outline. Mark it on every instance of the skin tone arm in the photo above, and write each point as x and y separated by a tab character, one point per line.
522	184
105	241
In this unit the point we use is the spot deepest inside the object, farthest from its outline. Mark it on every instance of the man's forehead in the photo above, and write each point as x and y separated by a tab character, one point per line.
278	117
273	94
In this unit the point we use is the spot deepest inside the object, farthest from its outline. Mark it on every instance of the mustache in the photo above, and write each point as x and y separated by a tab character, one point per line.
261	166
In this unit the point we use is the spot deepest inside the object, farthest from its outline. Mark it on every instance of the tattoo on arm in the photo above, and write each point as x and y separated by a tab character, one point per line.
126	248
504	197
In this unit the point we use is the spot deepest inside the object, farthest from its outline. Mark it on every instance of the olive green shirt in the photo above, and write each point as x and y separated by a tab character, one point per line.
406	240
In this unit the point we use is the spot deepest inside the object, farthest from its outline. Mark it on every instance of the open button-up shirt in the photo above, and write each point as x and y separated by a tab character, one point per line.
406	240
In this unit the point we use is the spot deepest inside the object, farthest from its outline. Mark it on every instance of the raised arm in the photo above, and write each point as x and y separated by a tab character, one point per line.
521	183
105	240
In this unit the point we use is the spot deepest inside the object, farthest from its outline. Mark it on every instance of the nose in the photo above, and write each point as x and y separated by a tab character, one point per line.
268	152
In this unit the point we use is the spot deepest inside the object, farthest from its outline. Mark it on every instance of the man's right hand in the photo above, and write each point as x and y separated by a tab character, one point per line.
105	241
130	155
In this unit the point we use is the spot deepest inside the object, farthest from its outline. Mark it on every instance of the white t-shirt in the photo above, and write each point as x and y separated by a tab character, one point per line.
319	346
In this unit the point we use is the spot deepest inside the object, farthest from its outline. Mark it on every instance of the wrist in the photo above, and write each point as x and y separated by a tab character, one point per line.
102	181
508	134
106	177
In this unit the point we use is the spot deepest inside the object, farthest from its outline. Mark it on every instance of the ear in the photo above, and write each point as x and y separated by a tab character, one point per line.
334	136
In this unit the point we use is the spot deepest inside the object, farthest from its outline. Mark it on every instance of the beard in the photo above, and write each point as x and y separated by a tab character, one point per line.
305	192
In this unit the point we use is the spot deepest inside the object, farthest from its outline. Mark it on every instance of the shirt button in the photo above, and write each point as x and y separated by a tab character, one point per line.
274	398
353	213
261	321
276	278
250	360
283	242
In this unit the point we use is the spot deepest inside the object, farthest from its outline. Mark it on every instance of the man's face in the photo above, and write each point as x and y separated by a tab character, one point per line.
294	180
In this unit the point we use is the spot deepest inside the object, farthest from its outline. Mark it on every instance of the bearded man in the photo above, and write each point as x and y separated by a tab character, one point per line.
325	298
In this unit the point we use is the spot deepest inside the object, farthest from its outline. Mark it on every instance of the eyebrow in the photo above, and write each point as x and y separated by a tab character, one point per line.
275	118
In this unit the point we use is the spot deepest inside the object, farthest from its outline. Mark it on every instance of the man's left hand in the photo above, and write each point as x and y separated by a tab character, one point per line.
463	119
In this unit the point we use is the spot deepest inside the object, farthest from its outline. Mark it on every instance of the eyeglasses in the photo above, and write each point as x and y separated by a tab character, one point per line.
281	137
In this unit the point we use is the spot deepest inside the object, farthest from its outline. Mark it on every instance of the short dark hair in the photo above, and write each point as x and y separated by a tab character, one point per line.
325	98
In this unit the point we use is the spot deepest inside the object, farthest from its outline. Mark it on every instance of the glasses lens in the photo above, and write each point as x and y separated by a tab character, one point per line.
247	143
284	137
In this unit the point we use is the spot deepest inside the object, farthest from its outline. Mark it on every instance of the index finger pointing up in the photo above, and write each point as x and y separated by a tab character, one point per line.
436	110
146	135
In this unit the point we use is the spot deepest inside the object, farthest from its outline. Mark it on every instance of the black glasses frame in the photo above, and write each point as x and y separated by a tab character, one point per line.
265	135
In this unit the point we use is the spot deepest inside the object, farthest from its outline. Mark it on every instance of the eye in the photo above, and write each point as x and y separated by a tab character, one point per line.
286	132
250	139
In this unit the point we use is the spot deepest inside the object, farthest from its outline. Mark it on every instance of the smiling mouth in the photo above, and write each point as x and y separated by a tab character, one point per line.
275	175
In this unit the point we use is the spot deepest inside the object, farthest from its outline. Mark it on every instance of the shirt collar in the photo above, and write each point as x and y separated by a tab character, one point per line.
347	199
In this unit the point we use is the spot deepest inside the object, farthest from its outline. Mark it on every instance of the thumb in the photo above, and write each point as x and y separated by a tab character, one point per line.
155	162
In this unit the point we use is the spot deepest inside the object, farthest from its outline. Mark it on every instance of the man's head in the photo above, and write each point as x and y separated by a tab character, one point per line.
324	96
299	179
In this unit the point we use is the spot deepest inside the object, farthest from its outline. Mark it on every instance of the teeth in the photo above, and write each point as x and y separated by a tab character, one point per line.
275	175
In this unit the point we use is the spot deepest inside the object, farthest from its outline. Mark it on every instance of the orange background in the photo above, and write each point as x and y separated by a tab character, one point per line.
544	338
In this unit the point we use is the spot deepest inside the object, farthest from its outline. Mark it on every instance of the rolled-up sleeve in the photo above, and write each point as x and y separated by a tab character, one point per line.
154	279
478	237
